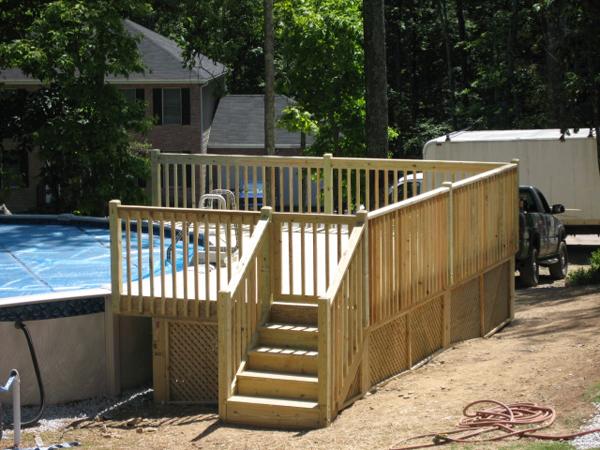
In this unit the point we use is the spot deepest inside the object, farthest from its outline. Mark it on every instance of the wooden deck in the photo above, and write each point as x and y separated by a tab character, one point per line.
310	308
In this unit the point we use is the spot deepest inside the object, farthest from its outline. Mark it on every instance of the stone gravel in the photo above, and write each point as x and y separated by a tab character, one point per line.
590	441
58	417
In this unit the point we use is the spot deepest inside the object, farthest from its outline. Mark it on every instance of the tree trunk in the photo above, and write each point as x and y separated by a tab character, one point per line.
443	14
269	79
269	46
376	79
376	123
511	94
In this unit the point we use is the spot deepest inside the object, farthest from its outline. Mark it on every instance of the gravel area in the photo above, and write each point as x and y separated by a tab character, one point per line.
590	440
57	417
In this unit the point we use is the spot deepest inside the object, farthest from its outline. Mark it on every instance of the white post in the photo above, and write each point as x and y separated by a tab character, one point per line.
14	383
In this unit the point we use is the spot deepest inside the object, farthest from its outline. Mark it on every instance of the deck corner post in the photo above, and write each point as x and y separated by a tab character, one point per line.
324	361
155	177
328	183
450	187
362	219
116	248
225	350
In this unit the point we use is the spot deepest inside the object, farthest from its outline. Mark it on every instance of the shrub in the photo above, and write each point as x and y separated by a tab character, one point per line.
583	276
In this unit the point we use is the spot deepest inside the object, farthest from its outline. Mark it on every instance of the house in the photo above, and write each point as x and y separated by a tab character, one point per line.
239	129
182	100
239	124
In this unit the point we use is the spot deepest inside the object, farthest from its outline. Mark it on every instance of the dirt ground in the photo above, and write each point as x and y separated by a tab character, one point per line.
550	354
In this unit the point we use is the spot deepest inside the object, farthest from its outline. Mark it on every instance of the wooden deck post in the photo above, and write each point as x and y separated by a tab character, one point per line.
511	267
324	362
362	218
225	350
155	177
328	183
449	185
116	267
264	287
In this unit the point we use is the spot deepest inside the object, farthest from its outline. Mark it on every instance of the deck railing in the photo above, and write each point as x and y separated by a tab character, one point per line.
300	184
343	319
173	261
242	306
307	252
402	268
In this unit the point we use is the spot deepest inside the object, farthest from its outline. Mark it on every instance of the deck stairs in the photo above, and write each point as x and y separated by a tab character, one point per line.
278	386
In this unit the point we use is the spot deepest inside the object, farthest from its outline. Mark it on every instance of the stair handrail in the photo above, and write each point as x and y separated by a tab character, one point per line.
354	262
256	257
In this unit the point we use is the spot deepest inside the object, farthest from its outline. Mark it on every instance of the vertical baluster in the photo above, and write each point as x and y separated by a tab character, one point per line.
184	187
140	262
162	264
174	257
176	185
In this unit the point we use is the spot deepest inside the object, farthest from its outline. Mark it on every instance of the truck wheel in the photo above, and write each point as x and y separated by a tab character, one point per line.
530	270
558	271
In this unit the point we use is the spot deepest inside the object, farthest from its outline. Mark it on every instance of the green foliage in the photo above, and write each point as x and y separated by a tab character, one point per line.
320	65
583	276
295	119
82	126
229	32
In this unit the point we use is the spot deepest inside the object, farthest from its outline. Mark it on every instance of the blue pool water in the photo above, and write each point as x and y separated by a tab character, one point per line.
46	258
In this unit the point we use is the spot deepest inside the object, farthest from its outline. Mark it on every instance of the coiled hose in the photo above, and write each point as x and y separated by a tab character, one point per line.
21	326
502	419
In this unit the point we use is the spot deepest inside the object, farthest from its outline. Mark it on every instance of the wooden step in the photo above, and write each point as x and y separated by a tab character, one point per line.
280	385
295	313
273	412
304	337
288	360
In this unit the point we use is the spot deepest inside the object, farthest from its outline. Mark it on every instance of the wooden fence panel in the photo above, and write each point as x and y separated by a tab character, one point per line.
408	251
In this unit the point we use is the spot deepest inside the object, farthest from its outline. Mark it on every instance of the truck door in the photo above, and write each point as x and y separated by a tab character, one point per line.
551	225
534	210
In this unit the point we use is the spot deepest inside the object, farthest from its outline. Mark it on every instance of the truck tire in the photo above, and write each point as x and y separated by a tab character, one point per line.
530	270
558	271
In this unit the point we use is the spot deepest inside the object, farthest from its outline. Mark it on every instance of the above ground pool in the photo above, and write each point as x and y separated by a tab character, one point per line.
46	255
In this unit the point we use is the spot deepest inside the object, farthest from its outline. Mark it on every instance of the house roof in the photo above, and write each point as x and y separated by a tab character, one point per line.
240	123
162	57
513	135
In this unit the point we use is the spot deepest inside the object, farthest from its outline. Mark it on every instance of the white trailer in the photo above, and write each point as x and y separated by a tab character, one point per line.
565	170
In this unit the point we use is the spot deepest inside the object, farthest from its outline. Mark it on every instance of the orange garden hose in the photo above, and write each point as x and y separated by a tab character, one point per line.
517	420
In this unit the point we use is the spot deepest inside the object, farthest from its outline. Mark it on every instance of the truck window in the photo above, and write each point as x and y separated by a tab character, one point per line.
529	204
544	202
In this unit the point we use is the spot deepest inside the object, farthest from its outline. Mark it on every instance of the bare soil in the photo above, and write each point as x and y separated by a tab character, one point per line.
550	354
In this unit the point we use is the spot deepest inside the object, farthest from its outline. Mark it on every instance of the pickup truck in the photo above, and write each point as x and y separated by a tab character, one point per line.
541	237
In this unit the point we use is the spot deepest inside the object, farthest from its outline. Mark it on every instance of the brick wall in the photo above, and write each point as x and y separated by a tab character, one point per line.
175	138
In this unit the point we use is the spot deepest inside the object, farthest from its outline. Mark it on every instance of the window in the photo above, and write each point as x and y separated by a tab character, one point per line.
132	95
14	169
171	106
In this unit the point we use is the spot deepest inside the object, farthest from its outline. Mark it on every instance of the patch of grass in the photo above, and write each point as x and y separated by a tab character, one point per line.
592	393
545	445
589	275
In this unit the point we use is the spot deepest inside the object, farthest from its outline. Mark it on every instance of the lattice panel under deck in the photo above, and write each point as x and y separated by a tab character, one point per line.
496	296
388	351
426	330
193	362
465	319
